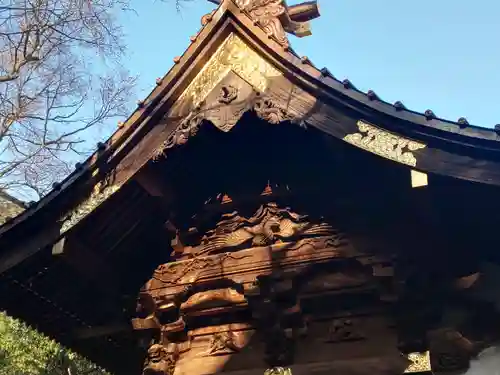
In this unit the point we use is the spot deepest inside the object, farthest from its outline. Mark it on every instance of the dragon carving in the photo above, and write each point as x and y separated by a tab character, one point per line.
268	226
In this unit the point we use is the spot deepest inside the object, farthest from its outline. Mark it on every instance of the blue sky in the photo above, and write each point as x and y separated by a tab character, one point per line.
442	55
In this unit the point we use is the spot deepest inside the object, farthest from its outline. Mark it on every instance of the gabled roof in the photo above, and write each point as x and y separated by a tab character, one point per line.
451	148
241	40
335	107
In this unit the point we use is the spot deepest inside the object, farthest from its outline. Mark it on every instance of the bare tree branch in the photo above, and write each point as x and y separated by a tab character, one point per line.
60	79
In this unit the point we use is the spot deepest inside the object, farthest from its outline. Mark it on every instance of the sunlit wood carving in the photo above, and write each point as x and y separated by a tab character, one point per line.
269	225
419	362
99	194
385	144
161	360
232	55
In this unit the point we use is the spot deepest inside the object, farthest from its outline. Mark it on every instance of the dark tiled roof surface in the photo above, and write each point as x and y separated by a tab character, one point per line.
474	135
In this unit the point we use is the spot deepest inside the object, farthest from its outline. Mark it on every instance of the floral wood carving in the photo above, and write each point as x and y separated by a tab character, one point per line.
419	362
99	195
224	118
185	272
385	144
270	224
161	360
236	56
278	371
188	127
271	111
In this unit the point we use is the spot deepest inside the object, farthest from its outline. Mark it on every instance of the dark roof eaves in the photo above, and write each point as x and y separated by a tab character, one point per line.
408	115
112	144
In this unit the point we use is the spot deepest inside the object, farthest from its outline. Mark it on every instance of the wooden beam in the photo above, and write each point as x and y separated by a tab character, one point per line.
87	263
33	244
153	185
132	162
149	183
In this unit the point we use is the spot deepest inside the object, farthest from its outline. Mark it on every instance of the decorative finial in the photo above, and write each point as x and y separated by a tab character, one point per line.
276	18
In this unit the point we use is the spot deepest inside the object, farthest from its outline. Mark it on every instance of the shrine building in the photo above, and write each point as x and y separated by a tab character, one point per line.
255	215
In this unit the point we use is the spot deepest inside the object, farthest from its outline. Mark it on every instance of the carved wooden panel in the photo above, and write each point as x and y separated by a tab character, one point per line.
224	342
268	226
212	348
267	265
276	18
233	55
161	359
385	144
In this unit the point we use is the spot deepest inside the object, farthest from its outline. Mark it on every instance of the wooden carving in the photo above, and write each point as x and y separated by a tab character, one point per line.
269	225
186	272
276	18
231	270
161	360
278	371
152	312
385	144
271	111
343	330
279	325
233	55
224	114
279	347
188	127
419	362
213	299
223	343
231	103
267	14
101	192
228	94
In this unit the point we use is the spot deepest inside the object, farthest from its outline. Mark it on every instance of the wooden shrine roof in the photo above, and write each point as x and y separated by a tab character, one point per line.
107	186
473	147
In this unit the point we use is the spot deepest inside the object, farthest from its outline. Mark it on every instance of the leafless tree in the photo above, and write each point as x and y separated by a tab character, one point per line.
60	78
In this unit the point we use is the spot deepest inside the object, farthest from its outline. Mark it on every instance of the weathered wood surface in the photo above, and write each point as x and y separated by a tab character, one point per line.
243	350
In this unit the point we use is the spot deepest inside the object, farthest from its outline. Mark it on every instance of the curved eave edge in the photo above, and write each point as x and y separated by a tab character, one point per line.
474	158
471	135
316	79
323	82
